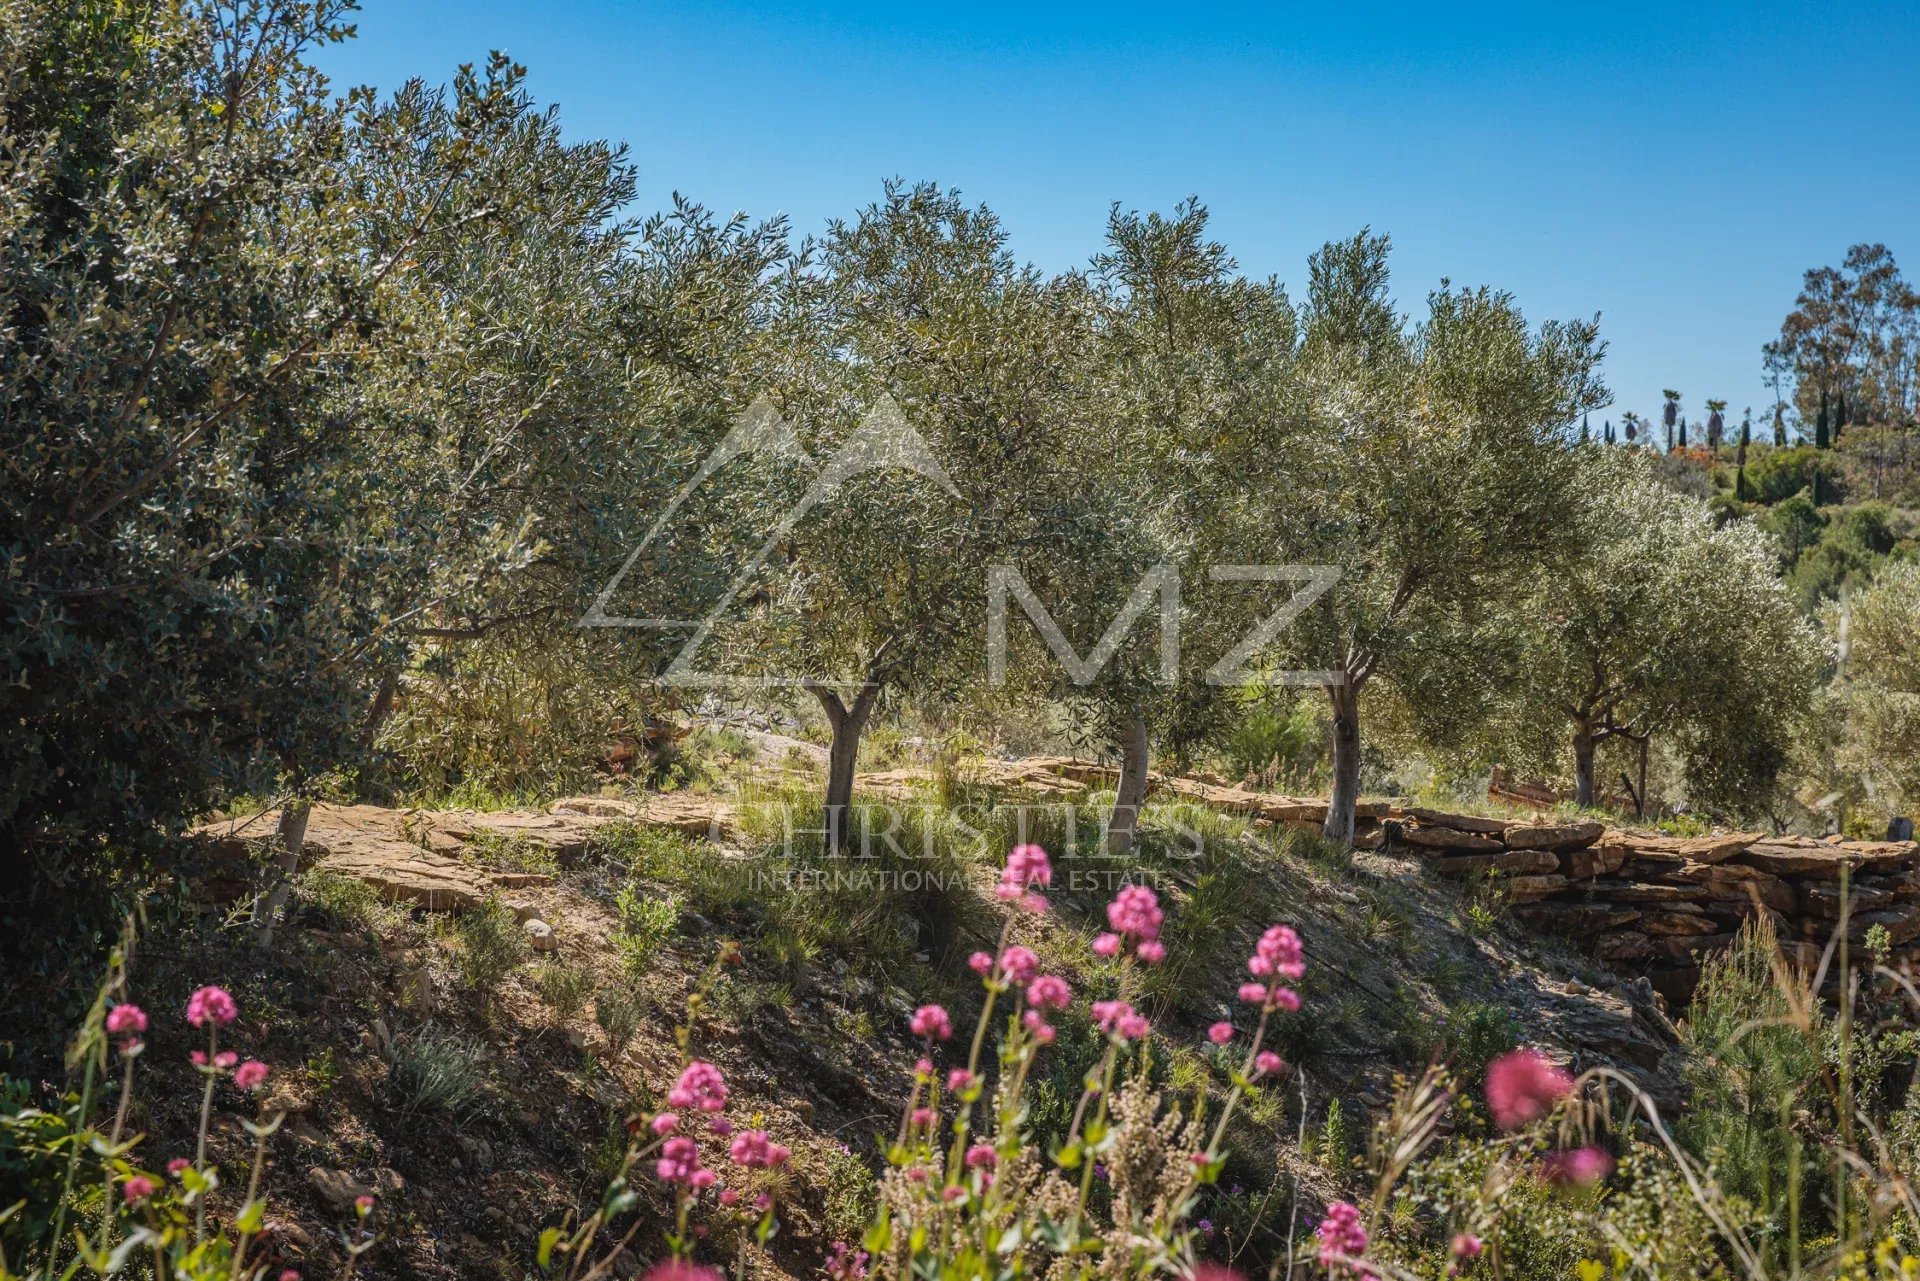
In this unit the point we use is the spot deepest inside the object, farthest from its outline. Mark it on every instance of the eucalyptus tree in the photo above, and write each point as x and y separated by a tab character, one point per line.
1444	473
1661	623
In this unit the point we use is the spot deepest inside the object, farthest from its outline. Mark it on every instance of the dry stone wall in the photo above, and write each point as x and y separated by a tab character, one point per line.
1643	903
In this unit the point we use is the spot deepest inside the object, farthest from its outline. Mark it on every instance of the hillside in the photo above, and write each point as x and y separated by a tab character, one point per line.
443	1053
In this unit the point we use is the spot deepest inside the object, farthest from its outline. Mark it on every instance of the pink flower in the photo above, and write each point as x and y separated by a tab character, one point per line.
1580	1166
753	1149
954	1192
679	1160
1019	964
1342	1237
982	1154
1205	1271
1049	992
700	1086
1523	1087
363	1205
1253	993
198	1058
1107	945
959	1079
924	1068
1151	952
1135	913
931	1021
1038	1027
924	1116
680	1270
1266	1063
722	1126
1220	1033
288	1274
126	1020
225	1059
211	1003
728	1197
1117	1018
177	1165
665	1123
136	1189
1279	952
1467	1246
980	963
250	1074
1027	866
845	1264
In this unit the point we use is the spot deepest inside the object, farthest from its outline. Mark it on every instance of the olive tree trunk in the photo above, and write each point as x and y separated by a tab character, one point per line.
848	721
1345	795
1131	794
292	835
1583	746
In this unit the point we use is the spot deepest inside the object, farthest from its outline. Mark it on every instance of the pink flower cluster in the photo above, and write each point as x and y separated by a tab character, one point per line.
1578	1166
1275	957
680	1163
1049	992
1118	1018
753	1149
1027	866
1522	1087
700	1087
1135	918
211	1005
932	1022
127	1022
1342	1238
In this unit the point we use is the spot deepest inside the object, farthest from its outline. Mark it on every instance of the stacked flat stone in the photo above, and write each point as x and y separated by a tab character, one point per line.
1658	905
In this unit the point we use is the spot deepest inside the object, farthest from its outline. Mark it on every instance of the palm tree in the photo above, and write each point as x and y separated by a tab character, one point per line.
1671	415
1716	423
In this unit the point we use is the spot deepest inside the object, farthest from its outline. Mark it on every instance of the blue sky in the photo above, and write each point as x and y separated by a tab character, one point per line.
1672	167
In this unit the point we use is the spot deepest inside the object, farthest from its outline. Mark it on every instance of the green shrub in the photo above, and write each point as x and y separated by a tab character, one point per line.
1752	1066
1475	1035
436	1072
564	986
646	922
1276	741
488	945
618	1012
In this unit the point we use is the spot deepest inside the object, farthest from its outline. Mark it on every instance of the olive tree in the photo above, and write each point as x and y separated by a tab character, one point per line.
934	372
1658	622
1192	364
1878	633
1443	474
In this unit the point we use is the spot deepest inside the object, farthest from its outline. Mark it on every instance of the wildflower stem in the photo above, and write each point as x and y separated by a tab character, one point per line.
1246	1073
113	1145
253	1190
206	1118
